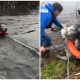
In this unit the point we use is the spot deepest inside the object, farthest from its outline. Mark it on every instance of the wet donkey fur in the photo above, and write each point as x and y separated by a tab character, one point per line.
3	28
77	36
73	33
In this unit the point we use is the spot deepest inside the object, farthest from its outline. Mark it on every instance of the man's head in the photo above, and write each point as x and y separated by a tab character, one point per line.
58	8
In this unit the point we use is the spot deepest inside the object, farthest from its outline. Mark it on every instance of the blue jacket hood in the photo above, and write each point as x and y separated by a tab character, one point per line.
50	8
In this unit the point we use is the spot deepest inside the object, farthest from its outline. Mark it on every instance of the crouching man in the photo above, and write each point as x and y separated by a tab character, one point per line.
48	14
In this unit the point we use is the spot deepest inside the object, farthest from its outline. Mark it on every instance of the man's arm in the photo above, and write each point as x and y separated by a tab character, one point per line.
56	22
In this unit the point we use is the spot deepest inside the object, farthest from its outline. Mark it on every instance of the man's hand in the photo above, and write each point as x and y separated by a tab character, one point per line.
43	49
64	26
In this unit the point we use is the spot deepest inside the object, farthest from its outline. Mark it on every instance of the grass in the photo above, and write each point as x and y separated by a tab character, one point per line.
55	70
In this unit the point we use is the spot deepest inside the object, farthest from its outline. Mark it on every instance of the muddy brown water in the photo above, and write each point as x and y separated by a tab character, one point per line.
16	61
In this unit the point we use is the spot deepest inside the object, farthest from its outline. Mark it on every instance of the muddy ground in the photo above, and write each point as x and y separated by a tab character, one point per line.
17	61
52	62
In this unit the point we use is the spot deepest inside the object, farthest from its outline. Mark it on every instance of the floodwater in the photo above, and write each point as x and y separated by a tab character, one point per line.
17	61
68	14
69	8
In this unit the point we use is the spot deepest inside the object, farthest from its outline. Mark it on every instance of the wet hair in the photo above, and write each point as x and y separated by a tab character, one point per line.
58	6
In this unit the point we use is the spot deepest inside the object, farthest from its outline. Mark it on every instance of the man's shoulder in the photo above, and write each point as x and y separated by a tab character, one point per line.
45	13
43	9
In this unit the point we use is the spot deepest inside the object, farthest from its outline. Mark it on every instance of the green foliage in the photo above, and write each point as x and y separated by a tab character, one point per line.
57	69
54	70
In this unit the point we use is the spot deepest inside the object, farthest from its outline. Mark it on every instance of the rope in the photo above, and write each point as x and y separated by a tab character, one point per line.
27	46
67	54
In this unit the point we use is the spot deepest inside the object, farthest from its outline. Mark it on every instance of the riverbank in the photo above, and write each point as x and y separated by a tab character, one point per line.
52	67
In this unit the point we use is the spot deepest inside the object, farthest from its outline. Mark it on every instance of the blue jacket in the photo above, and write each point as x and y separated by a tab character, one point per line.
47	16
